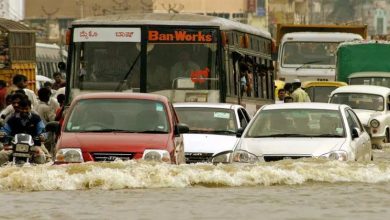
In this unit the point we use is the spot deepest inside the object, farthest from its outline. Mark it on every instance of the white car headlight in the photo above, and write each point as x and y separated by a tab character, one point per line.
338	155
242	156
69	155
157	155
374	123
222	158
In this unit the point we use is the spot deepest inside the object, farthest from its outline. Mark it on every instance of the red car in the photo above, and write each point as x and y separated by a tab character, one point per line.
111	126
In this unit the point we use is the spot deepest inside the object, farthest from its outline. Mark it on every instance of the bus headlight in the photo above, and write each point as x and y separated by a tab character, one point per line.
157	155
69	155
374	123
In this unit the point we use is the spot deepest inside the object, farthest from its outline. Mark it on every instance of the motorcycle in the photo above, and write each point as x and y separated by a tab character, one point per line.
23	148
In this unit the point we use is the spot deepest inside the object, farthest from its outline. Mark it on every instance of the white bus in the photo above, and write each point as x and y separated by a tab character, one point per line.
143	52
48	56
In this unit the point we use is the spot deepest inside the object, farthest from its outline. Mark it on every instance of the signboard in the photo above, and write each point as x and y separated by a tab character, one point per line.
89	34
182	36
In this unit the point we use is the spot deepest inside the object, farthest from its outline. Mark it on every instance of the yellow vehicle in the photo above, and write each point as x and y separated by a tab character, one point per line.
17	51
319	91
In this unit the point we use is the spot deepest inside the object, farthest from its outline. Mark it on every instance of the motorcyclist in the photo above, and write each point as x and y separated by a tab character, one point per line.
24	122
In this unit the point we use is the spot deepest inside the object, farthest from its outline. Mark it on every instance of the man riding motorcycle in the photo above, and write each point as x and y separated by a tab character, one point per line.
28	123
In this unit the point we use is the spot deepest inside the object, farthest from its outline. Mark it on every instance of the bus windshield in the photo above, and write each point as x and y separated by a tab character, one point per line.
103	65
315	54
181	64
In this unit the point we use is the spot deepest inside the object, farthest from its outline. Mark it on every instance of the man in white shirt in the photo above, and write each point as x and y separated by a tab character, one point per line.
20	82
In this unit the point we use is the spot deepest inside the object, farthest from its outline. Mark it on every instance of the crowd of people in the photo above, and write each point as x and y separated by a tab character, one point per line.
292	92
24	111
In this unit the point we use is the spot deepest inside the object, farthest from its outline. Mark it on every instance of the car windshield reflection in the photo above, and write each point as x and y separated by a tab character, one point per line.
208	120
297	123
120	115
359	101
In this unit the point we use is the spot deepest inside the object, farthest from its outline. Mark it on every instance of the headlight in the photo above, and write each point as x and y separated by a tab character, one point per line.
338	155
242	156
157	155
223	158
69	155
374	123
22	148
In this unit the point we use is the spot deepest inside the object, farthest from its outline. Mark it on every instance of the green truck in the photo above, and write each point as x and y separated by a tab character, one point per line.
364	62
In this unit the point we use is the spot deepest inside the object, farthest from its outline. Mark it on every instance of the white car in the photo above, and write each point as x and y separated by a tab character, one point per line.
213	128
371	104
300	130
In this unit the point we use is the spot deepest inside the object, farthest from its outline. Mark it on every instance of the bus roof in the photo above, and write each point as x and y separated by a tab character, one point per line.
171	19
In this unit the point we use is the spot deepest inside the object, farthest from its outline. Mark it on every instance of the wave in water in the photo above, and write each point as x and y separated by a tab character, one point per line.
140	174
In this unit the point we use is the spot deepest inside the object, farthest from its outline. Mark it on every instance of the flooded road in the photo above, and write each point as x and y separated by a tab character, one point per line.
304	189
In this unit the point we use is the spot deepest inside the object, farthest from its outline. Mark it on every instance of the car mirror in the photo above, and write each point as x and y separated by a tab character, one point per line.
53	126
181	129
355	133
239	132
221	157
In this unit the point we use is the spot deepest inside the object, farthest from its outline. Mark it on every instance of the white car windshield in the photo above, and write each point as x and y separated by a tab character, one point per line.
118	115
297	123
208	120
359	101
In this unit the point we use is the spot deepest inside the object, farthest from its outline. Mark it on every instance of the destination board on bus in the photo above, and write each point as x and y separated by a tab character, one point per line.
173	35
89	34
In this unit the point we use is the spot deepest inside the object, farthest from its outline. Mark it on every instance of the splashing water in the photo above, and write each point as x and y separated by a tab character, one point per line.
141	174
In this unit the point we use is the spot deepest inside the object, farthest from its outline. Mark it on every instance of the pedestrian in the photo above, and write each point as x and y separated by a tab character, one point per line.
288	89
59	82
281	96
3	94
299	95
243	77
288	99
43	108
19	81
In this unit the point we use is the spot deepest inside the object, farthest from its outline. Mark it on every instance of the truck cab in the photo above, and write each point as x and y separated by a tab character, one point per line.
310	56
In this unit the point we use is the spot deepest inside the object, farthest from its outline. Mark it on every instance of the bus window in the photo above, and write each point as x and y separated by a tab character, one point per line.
105	66
194	63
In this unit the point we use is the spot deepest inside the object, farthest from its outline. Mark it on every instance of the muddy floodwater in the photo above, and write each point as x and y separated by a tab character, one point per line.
301	189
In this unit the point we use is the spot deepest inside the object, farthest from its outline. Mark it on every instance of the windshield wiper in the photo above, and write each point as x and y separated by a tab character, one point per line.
224	132
281	135
153	132
118	88
310	62
327	135
109	130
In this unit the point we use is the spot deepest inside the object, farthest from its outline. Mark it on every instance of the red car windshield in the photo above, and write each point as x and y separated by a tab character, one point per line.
118	115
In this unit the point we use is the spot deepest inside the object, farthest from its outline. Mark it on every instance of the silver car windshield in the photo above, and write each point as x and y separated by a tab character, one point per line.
208	120
297	123
359	101
118	115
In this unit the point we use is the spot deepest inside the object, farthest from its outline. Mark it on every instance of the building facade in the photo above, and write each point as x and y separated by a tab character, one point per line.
51	18
11	9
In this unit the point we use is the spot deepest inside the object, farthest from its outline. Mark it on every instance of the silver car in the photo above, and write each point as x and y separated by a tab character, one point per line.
301	130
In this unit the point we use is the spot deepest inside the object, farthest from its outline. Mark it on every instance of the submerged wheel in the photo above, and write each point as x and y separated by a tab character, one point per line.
387	137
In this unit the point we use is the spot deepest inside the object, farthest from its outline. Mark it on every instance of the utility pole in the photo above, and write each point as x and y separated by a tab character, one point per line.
81	3
49	17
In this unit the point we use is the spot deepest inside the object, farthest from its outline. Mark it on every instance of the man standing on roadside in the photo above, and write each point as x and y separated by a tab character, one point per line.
59	81
299	95
19	81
